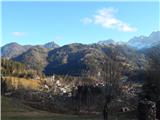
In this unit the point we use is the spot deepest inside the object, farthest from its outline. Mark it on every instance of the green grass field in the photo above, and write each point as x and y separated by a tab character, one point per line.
12	109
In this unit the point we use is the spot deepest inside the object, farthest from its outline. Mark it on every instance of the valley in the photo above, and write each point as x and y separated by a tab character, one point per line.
77	81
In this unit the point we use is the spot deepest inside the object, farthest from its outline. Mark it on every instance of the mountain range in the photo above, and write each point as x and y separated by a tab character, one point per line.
14	49
145	42
139	42
80	59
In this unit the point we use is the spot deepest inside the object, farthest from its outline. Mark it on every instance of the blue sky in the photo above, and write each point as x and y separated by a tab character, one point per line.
82	22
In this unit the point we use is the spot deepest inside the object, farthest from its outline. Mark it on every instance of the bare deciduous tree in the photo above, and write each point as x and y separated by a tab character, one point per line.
112	75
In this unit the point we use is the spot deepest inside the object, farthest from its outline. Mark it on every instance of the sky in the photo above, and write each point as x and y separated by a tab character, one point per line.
32	22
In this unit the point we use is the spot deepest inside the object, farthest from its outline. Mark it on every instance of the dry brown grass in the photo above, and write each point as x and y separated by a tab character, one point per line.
18	83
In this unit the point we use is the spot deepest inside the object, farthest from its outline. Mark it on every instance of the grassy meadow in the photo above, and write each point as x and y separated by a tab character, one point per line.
17	83
13	109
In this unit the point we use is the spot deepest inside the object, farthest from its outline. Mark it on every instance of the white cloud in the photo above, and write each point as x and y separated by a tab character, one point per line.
106	18
18	34
86	20
126	28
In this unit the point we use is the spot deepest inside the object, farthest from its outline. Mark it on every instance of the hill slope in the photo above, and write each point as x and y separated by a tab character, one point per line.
13	49
34	58
79	59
